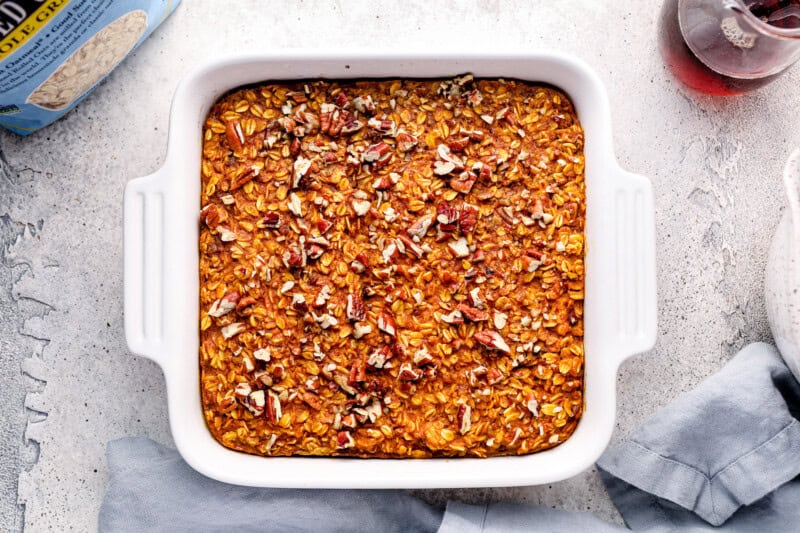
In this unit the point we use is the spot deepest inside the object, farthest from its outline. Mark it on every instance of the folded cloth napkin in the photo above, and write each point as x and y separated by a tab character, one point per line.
726	453
727	444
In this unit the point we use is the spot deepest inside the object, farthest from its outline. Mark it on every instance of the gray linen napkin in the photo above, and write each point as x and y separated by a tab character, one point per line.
727	452
729	443
151	488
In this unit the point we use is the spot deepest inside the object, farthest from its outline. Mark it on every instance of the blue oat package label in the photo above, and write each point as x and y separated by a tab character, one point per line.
53	53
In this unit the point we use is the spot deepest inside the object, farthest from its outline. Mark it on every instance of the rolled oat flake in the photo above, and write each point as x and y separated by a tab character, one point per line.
53	53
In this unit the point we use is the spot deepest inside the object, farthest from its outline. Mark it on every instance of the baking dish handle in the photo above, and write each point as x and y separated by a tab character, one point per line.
636	299
144	212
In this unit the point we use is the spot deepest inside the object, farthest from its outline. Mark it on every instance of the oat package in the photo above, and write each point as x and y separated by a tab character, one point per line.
55	52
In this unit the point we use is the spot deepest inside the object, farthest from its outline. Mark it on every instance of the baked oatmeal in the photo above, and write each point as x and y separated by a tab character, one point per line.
392	268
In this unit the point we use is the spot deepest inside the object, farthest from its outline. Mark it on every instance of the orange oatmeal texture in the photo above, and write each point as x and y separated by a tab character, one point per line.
392	268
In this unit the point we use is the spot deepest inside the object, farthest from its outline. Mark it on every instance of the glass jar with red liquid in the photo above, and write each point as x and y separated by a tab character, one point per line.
727	47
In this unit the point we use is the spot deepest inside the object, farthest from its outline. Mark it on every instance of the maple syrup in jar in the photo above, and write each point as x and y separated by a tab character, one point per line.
727	47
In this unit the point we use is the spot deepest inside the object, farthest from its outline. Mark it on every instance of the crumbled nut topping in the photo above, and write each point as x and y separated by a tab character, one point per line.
392	268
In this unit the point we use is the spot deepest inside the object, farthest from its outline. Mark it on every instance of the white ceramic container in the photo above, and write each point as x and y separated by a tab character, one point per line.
161	273
782	290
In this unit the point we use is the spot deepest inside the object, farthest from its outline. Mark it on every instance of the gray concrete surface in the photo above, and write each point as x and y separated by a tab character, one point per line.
68	383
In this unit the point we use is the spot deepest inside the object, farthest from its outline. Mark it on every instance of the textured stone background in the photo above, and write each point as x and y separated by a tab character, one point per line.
68	381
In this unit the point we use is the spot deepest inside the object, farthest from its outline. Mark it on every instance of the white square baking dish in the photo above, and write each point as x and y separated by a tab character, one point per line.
161	273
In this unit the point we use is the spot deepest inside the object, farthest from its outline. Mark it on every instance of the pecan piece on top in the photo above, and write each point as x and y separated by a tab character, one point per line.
492	340
386	323
355	309
464	418
472	314
234	135
213	215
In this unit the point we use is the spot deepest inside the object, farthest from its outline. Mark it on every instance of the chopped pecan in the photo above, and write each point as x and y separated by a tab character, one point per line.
244	178
499	319
359	330
464	418
243	307
349	421
374	411
361	207
529	264
408	373
355	309
443	168
420	226
312	400
536	253
531	404
213	215
297	97
255	402
352	126
263	377
454	317
224	305
377	153
474	97
483	171
464	182
475	135
323	296
344	439
294	147
232	330
379	357
330	121
384	126
288	124
341	100
274	412
476	373
383	183
472	314
360	263
271	221
493	376
299	303
422	357
405	141
358	373
445	154
324	225
468	218
458	145
459	248
315	251
278	372
386	323
475	298
471	273
263	355
389	252
446	214
302	167
413	247
364	104
234	135
507	214
242	390
309	120
492	340
292	258
295	205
